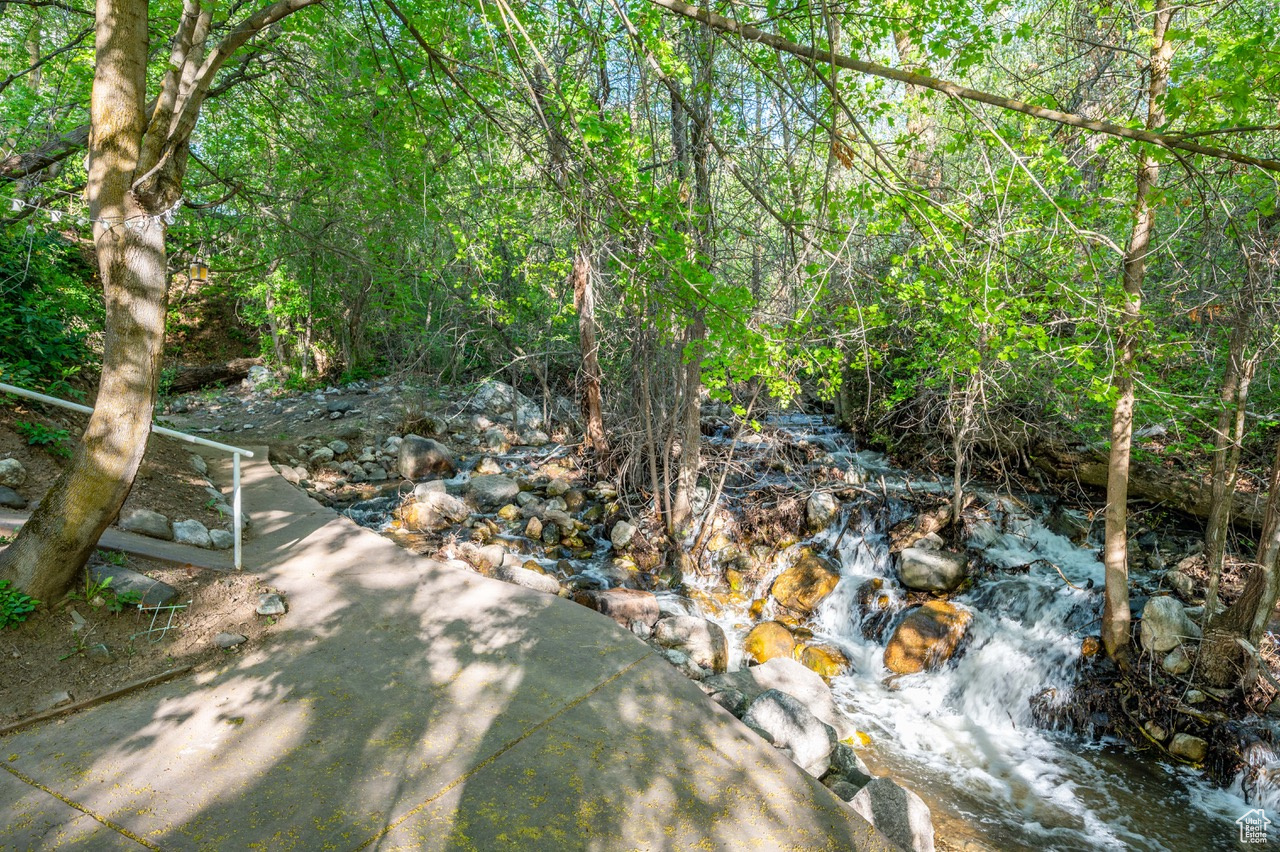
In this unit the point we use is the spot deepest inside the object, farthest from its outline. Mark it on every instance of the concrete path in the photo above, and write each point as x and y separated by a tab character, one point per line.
402	704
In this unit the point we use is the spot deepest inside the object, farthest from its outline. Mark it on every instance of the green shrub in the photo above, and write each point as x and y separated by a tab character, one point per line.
14	606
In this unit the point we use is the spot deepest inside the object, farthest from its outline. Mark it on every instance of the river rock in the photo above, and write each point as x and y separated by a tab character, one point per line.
222	539
1177	661
622	605
123	580
1182	583
322	456
927	637
338	446
492	491
192	532
792	728
1188	747
422	489
928	570
820	510
825	660
433	510
148	523
898	813
557	488
12	473
229	640
703	641
533	529
423	458
270	604
622	535
487	467
789	676
848	767
10	499
199	465
497	399
1165	624
340	406
803	586
768	640
521	576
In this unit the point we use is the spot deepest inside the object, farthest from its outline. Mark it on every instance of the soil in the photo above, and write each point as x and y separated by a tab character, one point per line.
47	656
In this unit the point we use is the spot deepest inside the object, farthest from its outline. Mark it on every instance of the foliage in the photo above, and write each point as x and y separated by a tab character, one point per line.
39	435
15	607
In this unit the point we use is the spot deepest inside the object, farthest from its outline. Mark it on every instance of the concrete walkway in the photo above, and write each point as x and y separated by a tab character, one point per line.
402	704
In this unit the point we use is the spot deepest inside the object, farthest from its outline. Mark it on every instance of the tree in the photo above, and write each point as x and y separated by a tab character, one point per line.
138	153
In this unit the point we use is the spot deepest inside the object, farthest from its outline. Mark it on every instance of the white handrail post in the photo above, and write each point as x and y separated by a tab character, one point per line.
235	504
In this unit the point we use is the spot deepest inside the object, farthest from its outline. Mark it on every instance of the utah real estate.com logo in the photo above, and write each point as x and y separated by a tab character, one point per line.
1253	826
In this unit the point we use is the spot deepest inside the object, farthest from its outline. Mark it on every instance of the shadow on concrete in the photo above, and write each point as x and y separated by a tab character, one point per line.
404	704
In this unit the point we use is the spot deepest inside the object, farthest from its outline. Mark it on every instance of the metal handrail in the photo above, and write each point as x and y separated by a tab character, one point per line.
236	452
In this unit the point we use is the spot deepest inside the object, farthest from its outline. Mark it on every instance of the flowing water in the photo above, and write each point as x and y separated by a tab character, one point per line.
963	736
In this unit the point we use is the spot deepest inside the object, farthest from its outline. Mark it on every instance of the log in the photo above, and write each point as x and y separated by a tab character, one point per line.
193	378
1185	492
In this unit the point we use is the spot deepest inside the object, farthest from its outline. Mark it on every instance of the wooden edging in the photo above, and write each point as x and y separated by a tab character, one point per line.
97	699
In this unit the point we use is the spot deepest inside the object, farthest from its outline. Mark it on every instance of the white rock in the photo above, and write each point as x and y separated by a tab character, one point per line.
269	604
898	813
12	473
622	535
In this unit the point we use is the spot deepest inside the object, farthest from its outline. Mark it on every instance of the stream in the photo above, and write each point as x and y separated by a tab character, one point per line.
963	736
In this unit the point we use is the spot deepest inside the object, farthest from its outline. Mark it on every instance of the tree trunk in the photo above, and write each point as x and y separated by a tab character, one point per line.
584	299
1115	612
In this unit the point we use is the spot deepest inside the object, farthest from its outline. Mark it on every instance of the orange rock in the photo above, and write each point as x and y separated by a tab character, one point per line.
823	659
767	641
927	638
803	586
1090	646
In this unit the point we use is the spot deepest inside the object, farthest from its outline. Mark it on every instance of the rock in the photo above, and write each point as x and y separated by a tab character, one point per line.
148	523
10	499
12	473
1193	696
375	472
1182	584
520	576
192	532
622	605
433	511
534	438
1156	732
338	447
495	440
703	641
497	398
98	653
509	512
422	489
927	637
843	790
622	535
820	510
424	458
322	456
876	607
550	533
269	604
533	529
932	570
259	376
803	586
199	465
848	767
557	488
57	699
557	504
340	406
792	727
1165	624
1177	661
123	580
487	467
768	640
826	661
898	813
789	676
222	539
229	640
1188	747
490	492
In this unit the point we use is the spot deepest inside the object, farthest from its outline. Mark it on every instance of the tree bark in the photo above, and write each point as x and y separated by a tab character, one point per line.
1115	612
584	299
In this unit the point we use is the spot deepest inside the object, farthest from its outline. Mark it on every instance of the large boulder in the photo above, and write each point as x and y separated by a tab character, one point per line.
898	813
785	675
703	641
12	473
803	586
497	398
424	458
148	523
768	640
932	570
433	510
927	637
625	606
492	491
793	728
1165	624
820	510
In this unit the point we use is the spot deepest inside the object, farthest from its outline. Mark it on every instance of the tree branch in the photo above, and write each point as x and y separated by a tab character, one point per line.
1175	142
